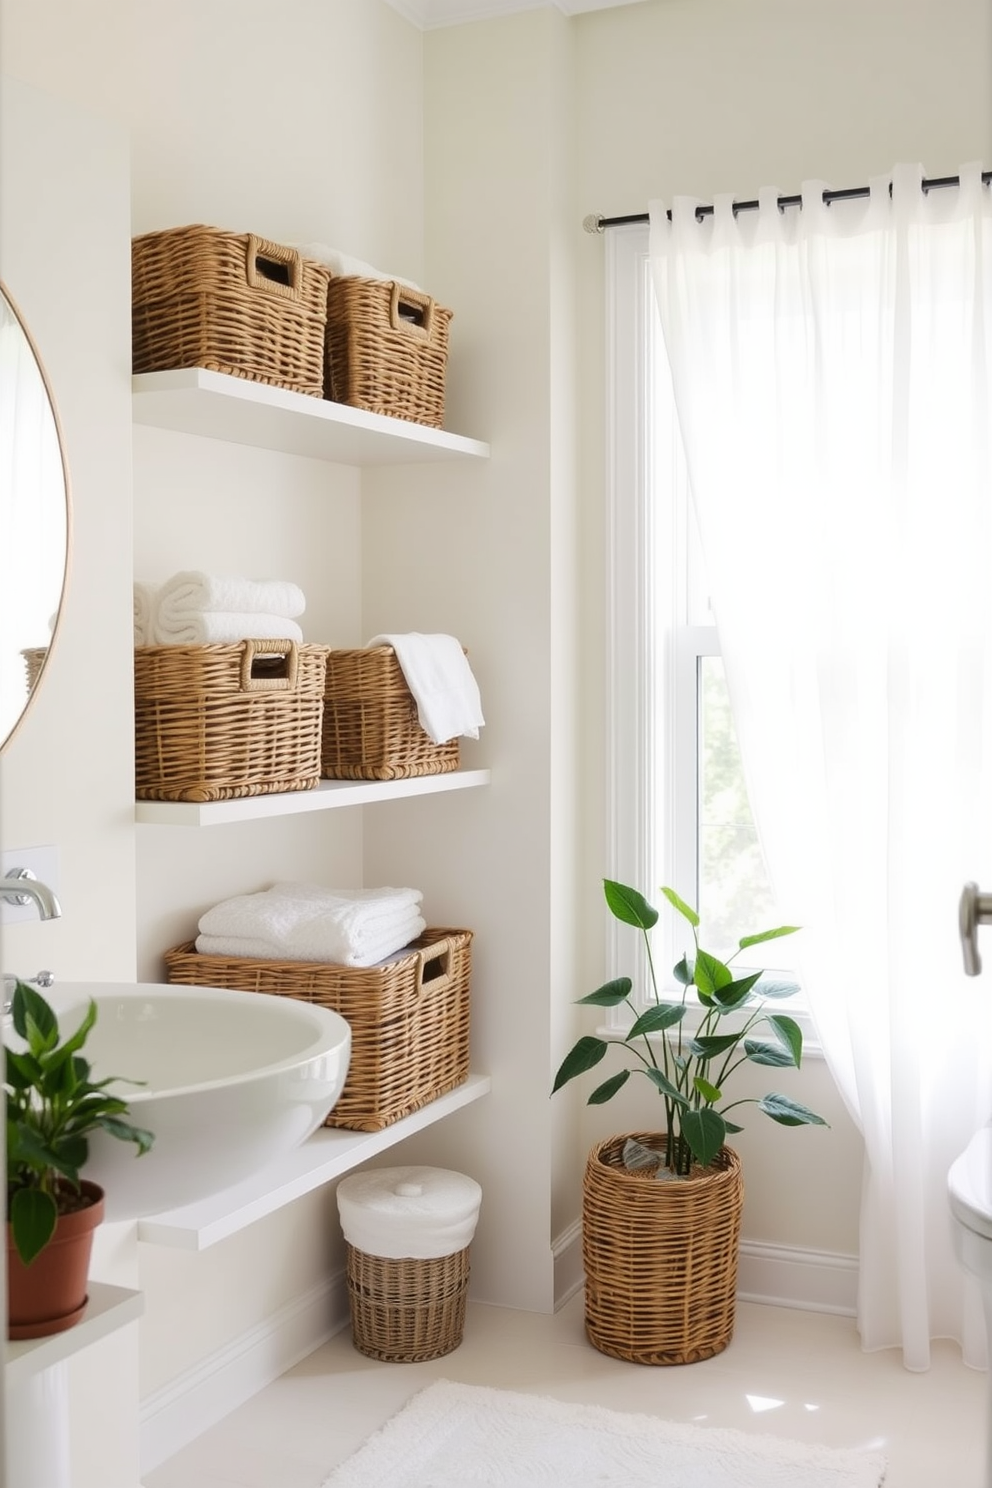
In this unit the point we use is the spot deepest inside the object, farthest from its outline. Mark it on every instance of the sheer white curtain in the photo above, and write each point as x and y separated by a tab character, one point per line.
831	368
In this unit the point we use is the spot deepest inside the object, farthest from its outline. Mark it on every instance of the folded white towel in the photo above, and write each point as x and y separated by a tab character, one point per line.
214	628
194	591
438	675
326	954
344	264
144	613
306	922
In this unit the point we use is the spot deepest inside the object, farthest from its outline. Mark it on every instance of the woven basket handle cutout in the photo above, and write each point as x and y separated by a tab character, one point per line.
435	965
276	675
273	268
411	312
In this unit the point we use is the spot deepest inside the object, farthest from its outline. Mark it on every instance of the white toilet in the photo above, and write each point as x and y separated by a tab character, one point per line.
969	1190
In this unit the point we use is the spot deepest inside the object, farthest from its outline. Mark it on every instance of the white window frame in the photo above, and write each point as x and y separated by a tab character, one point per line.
638	710
649	721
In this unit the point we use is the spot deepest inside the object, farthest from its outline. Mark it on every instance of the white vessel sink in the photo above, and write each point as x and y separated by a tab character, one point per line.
232	1081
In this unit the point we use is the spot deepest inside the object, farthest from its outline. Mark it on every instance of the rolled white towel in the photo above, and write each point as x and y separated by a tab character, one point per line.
194	591
214	628
438	675
144	613
343	264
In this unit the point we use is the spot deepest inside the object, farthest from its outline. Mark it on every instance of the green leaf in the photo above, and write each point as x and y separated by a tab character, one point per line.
684	909
76	1040
664	1084
772	1054
608	1089
584	1056
69	1154
610	994
22	1070
628	905
789	1112
704	1132
683	972
732	1125
33	1216
790	1033
712	1044
33	1019
709	1092
776	989
665	1015
750	940
710	974
735	993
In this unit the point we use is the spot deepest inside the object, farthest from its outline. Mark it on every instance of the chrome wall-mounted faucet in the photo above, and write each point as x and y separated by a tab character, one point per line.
21	887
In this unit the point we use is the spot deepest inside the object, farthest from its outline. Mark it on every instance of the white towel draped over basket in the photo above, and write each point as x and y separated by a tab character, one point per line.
440	679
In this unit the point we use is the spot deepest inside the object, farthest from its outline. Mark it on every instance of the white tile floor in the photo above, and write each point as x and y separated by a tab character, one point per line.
793	1374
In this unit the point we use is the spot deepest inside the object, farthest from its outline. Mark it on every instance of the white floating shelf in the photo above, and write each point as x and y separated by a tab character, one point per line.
328	1154
326	796
108	1308
216	406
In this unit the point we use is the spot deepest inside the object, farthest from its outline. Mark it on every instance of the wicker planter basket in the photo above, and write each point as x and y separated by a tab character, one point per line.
371	730
409	1017
405	1311
387	349
660	1257
216	722
231	302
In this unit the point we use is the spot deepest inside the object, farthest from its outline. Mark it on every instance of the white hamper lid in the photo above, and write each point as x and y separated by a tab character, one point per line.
409	1213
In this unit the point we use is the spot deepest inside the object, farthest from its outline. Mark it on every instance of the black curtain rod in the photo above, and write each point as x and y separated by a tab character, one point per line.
595	223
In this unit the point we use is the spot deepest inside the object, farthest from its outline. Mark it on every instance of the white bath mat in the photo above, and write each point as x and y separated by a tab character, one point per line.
453	1436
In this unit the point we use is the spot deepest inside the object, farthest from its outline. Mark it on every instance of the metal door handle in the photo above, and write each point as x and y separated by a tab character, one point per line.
975	909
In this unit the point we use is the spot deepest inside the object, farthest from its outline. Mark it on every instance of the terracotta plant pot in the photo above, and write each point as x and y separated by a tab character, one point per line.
660	1256
50	1295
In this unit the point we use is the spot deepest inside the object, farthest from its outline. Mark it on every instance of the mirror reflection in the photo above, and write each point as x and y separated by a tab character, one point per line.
33	518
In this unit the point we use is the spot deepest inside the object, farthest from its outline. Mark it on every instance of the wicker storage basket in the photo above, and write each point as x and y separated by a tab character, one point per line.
215	722
387	349
371	730
660	1257
409	1017
34	659
231	302
405	1311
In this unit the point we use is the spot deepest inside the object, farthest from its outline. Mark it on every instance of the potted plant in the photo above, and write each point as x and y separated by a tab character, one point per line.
661	1210
52	1109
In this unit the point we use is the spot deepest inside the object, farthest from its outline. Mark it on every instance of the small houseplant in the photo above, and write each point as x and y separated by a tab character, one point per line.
52	1109
660	1227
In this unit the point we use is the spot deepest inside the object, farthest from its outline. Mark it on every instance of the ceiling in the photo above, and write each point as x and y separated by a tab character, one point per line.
430	15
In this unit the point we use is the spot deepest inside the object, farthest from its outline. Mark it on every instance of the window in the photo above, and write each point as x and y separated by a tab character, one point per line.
678	804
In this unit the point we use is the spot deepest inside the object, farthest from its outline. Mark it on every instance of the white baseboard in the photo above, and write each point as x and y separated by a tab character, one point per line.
787	1276
172	1417
777	1275
567	1260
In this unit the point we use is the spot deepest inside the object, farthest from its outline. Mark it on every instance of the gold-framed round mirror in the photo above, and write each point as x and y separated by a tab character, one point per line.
34	517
